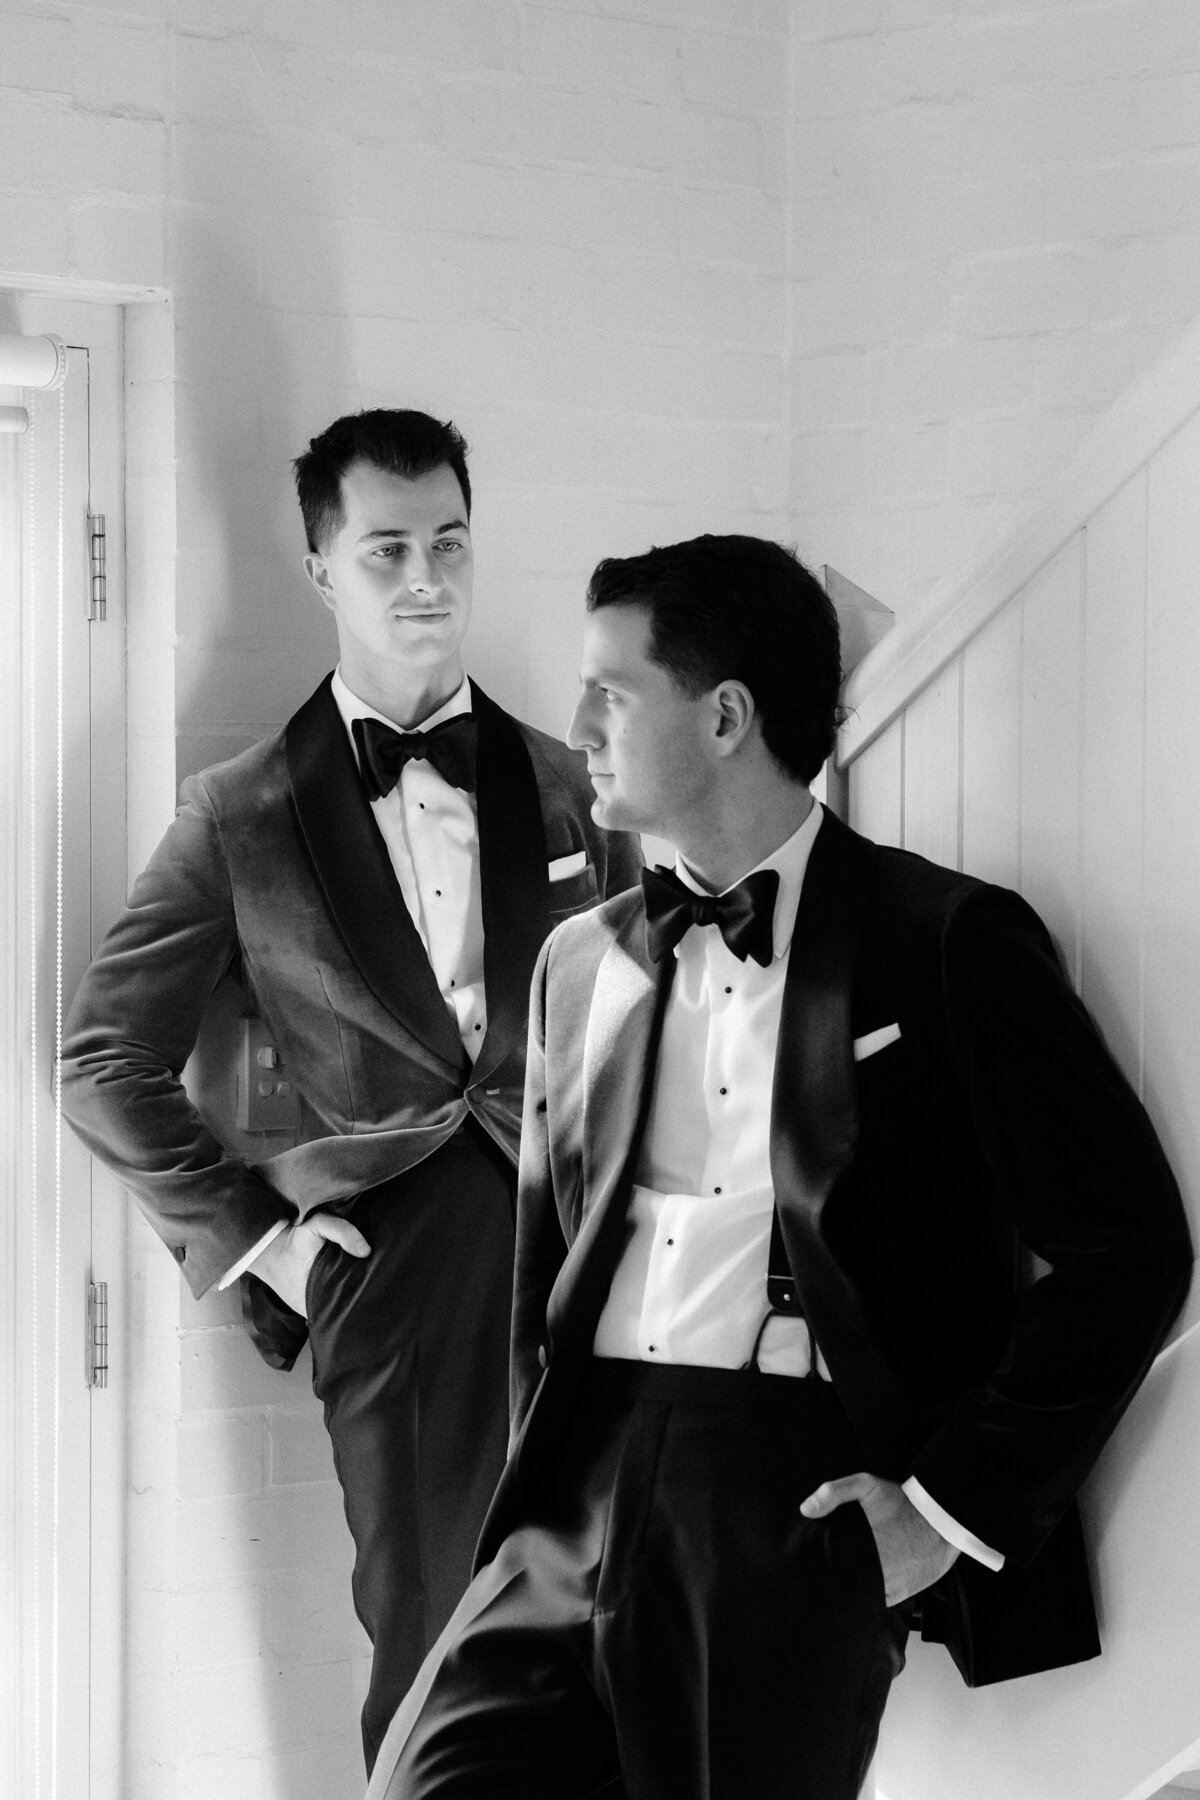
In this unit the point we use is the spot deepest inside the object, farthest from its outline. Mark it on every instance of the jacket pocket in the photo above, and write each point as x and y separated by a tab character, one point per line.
574	894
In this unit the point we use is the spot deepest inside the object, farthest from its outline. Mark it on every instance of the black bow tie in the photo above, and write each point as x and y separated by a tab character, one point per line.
743	915
383	752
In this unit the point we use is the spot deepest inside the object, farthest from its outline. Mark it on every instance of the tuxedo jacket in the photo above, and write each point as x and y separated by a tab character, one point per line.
275	871
911	1186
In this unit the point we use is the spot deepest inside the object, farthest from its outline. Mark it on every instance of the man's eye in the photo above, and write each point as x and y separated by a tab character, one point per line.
388	550
448	547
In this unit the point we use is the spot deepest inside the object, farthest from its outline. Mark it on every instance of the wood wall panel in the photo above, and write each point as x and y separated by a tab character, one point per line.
1109	1729
1172	1027
877	790
1078	780
1051	745
991	755
932	763
1113	788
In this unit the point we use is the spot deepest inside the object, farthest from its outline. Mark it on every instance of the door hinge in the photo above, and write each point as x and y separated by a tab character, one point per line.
98	1333
97	599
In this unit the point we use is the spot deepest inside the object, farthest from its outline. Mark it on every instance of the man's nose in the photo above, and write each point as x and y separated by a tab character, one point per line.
424	575
581	732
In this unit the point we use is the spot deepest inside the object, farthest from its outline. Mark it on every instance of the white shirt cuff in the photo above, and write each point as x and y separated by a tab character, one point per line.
243	1262
949	1528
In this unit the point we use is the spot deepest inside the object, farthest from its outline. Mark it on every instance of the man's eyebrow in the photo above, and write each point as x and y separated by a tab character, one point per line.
405	531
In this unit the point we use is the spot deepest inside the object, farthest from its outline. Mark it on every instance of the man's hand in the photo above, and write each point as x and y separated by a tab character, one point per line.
911	1552
285	1262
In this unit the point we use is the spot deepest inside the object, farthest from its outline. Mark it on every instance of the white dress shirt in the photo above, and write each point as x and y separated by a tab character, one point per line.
432	837
690	1286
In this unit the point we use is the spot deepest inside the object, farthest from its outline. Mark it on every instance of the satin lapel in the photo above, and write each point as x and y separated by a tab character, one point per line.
357	878
813	1117
814	1122
623	1033
514	882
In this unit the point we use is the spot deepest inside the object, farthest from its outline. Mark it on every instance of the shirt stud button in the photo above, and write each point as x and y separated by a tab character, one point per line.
724	1090
716	1190
729	990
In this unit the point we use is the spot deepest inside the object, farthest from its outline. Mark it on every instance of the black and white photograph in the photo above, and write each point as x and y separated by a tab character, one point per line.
600	937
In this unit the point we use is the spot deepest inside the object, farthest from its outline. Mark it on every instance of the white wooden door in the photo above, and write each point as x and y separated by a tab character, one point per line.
62	720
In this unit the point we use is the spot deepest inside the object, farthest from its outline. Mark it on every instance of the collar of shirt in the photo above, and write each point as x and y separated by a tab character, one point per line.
351	708
789	861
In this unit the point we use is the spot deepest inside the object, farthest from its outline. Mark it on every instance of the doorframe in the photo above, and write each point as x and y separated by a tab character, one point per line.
139	493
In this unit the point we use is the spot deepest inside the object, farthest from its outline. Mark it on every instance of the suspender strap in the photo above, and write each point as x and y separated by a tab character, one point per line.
783	1300
782	1296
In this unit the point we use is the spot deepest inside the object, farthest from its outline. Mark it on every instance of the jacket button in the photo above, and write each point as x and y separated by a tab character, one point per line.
543	1359
179	1252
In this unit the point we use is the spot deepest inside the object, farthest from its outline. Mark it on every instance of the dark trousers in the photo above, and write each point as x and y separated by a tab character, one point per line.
410	1359
664	1624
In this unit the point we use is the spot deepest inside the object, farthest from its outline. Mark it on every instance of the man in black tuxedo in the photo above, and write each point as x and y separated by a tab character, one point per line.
379	875
792	1112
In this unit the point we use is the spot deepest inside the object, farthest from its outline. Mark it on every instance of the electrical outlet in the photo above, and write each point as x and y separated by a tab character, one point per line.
266	1093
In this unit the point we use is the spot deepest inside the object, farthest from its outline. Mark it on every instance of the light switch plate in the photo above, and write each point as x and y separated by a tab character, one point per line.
266	1093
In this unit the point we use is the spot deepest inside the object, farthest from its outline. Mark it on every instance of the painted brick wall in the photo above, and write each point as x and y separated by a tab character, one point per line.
561	223
995	226
560	226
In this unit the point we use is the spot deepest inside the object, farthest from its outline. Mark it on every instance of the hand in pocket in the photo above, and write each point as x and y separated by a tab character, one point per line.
285	1262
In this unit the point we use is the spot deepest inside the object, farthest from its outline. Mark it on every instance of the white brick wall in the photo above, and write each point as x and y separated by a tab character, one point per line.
996	213
852	271
497	211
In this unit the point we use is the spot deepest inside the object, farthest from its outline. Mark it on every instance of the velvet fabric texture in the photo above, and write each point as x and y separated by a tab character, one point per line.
909	1187
274	871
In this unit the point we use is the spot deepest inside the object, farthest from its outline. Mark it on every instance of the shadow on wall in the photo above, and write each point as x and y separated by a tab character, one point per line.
256	381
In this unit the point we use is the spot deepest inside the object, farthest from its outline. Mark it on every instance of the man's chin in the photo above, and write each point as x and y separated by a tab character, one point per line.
607	813
612	815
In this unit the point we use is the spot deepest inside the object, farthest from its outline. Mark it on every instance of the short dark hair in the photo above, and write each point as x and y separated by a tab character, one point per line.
404	443
741	609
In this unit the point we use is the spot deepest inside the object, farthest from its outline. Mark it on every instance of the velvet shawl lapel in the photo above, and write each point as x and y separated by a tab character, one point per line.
514	879
624	1030
814	1128
356	876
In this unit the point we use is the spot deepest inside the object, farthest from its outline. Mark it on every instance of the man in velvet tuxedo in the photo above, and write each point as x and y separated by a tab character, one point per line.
792	1114
379	875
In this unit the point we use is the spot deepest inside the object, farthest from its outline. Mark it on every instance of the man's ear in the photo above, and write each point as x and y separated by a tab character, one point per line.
736	713
317	572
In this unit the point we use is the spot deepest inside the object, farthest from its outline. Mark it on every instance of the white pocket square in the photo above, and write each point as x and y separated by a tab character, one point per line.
875	1040
562	866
